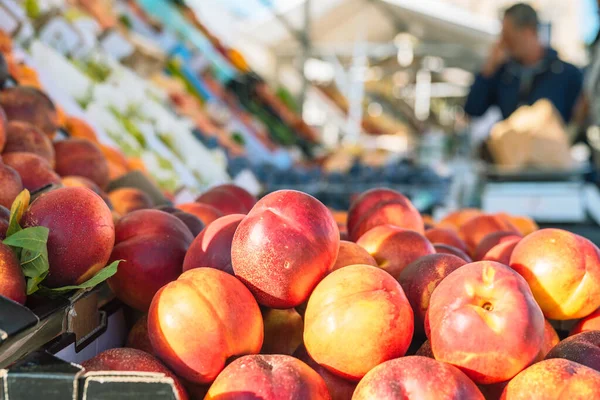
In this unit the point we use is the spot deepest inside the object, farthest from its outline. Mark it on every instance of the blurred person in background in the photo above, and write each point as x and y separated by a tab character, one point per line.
520	70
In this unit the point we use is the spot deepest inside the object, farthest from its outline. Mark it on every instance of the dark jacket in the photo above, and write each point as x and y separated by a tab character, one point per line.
554	79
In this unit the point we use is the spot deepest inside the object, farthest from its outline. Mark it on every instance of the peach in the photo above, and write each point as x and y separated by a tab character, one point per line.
416	378
26	138
268	377
81	157
483	319
12	281
126	200
553	380
357	318
152	244
4	219
3	129
425	350
445	249
456	219
563	271
525	225
497	246
11	185
589	323
78	128
551	339
445	236
82	233
582	348
212	247
421	277
228	199
382	207
191	221
475	229
115	156
80	181
393	248
200	320
204	212
339	388
352	254
138	336
283	331
284	247
22	103
133	360
35	171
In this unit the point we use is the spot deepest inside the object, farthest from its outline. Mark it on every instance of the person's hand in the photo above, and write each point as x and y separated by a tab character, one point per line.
497	57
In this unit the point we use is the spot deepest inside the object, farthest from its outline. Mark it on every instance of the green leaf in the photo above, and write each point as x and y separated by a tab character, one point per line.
16	212
33	239
100	277
33	284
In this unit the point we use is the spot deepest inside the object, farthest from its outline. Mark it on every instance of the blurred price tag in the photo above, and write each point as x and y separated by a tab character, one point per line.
60	35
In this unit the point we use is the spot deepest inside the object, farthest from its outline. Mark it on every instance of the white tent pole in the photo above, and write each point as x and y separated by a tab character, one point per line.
356	91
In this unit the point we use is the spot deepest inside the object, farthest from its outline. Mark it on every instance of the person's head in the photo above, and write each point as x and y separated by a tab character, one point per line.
520	30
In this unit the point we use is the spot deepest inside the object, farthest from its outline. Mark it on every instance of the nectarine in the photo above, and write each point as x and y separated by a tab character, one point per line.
582	348
35	171
589	323
138	336
204	212
126	200
445	236
26	138
12	281
352	254
81	157
11	185
283	331
475	229
445	249
228	199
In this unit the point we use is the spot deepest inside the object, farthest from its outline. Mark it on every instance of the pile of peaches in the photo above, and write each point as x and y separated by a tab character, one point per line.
267	302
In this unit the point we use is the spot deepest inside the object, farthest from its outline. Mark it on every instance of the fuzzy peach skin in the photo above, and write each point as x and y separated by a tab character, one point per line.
357	318
421	277
81	237
199	321
82	157
425	350
475	229
127	200
212	247
445	249
138	336
483	319
456	219
125	359
589	323
229	199
416	378
502	251
22	137
550	340
153	245
12	185
492	240
204	212
284	247
283	331
382	207
563	271
583	348
339	388
352	254
268	377
35	171
12	281
445	236
554	379
393	248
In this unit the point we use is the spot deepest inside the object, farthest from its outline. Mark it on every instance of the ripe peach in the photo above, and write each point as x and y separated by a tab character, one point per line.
425	350
483	319
191	221
82	233
583	348
127	200
200	320
497	246
394	248
228	199
212	248
283	331
284	247
589	323
152	244
83	158
204	212
4	219
563	271
138	336
34	170
11	185
268	377
421	277
339	388
382	207
445	249
352	254
474	230
553	380
124	359
416	378
22	103
551	339
26	138
456	219
357	318
12	281
445	236
78	128
3	128
525	225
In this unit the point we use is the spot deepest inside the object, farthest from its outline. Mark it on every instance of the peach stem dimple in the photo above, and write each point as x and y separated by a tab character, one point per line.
487	306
